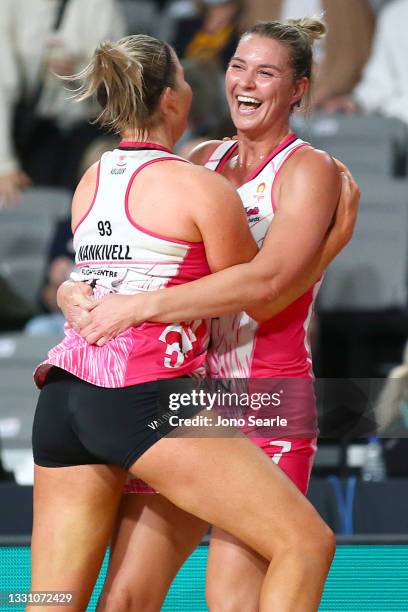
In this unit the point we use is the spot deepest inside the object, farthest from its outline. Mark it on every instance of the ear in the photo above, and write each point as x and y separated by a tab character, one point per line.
299	90
168	102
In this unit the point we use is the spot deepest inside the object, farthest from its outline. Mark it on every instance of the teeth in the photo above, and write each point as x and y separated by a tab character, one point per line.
247	99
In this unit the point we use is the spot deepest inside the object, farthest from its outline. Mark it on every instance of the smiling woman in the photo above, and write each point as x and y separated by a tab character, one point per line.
274	61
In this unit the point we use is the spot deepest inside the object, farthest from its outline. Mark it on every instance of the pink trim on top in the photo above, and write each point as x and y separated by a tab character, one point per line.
227	156
93	200
303	144
140	227
150	262
209	156
282	145
145	145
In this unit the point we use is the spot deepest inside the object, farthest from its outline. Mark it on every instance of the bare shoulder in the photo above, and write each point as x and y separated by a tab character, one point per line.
209	183
84	194
86	188
309	180
184	179
309	164
200	154
88	180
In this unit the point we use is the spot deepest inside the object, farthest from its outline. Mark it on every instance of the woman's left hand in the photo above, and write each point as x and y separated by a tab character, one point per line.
109	317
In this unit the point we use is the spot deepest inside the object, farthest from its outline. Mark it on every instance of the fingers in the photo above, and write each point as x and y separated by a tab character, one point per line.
94	337
84	303
77	317
84	288
346	183
93	304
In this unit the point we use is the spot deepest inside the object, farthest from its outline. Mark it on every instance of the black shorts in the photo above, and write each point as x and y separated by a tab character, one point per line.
77	423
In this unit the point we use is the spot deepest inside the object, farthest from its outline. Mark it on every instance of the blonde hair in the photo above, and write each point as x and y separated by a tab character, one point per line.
127	78
298	35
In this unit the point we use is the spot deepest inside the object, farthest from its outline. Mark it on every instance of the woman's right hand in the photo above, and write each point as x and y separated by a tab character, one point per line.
75	300
345	217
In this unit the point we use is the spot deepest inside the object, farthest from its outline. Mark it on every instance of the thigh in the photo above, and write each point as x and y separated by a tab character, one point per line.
151	541
74	512
211	478
244	569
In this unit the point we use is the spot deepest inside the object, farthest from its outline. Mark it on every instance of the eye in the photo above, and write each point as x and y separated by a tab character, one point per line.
265	73
236	66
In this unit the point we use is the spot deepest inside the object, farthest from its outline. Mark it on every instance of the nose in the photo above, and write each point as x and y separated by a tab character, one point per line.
247	79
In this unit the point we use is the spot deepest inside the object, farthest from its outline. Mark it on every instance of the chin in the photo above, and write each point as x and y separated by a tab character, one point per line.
246	126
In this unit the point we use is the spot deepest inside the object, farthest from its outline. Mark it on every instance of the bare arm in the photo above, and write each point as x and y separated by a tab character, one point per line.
336	239
306	206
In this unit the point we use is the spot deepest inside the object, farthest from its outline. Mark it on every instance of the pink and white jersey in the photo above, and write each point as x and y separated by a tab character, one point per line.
278	348
116	255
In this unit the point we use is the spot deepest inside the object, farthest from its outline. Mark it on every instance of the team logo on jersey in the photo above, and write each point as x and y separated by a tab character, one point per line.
252	214
120	166
252	211
122	161
259	195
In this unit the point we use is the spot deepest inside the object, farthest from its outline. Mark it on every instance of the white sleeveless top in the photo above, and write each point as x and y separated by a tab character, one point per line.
116	255
278	348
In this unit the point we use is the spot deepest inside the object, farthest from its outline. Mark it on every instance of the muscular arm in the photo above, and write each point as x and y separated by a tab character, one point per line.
307	200
333	242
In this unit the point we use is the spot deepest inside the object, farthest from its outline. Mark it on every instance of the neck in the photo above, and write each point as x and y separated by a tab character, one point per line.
159	135
252	149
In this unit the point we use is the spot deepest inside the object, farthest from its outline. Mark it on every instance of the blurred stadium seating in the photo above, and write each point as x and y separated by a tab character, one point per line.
371	272
19	354
368	144
25	232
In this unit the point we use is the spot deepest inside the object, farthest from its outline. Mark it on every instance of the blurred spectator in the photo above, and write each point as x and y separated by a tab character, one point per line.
60	263
209	102
205	37
343	52
142	17
384	85
31	51
211	34
392	418
392	405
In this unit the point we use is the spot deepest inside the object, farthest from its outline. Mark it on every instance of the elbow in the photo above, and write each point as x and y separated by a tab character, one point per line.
267	290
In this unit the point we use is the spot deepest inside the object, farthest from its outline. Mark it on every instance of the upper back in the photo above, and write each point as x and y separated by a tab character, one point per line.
130	182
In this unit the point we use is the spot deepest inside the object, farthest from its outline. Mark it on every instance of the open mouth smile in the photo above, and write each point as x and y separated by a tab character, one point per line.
247	104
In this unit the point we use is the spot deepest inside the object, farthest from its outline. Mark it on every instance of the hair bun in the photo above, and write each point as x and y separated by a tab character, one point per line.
311	27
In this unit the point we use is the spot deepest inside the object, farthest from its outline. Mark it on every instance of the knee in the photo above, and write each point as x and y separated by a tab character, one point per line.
123	600
222	598
327	543
314	542
119	600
